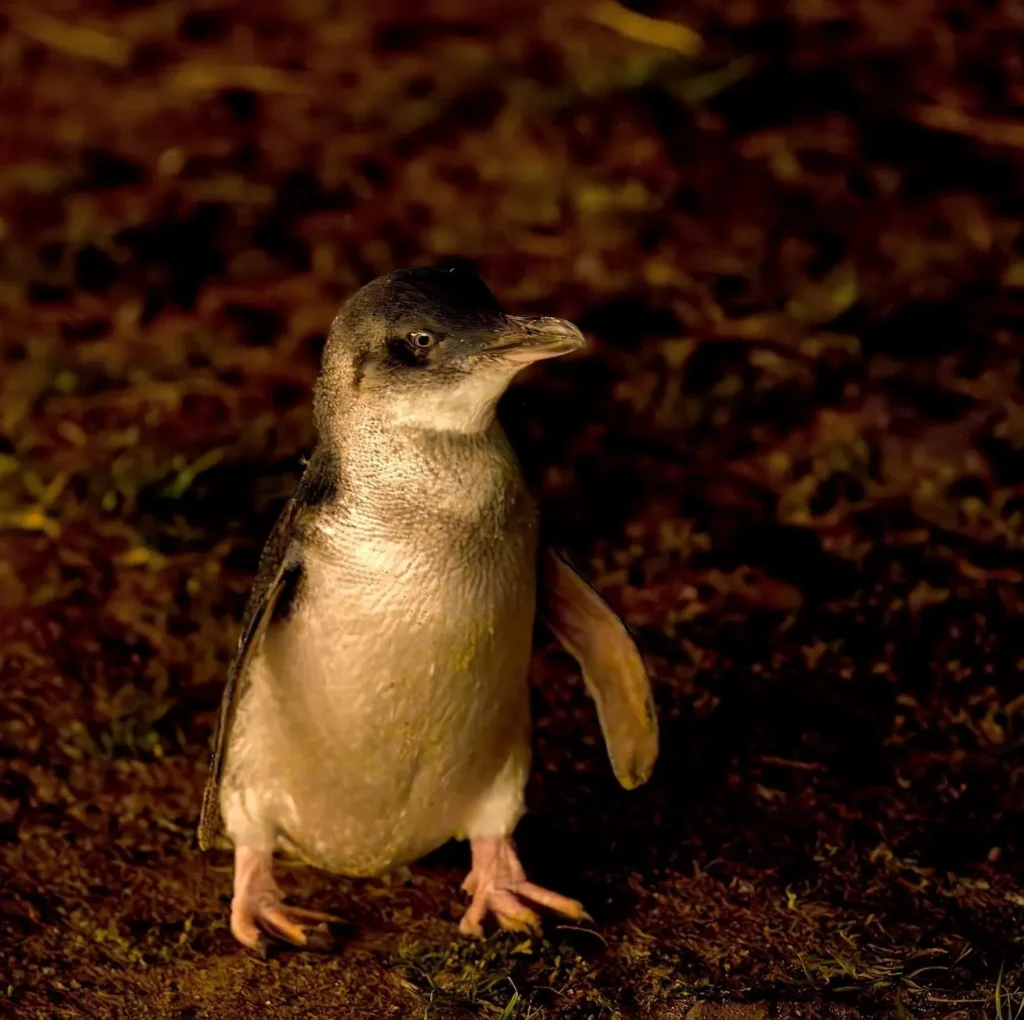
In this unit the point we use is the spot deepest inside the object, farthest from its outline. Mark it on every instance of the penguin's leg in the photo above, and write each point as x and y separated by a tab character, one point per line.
252	806
259	915
497	882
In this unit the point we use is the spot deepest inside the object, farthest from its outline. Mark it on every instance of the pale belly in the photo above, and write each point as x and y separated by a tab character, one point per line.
373	727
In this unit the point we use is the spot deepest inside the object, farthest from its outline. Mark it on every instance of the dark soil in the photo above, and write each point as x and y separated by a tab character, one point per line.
793	459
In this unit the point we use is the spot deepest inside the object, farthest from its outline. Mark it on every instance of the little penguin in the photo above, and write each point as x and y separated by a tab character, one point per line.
378	702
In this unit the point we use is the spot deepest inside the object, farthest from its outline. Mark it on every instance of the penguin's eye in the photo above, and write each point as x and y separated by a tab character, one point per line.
421	341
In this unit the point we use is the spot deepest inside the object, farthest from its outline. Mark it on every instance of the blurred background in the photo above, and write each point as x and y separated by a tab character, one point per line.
793	459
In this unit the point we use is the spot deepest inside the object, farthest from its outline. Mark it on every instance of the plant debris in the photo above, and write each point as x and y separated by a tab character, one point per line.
793	459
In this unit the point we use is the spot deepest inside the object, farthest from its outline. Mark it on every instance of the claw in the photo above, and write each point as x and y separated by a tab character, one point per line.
499	887
261	920
320	942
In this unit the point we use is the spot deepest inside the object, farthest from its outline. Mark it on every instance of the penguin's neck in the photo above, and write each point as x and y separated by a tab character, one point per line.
397	471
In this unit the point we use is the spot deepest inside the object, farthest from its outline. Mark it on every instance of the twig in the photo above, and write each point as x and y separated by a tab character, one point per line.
992	132
588	931
806	766
641	28
78	40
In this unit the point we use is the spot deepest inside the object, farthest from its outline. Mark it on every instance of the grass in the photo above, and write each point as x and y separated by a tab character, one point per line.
791	458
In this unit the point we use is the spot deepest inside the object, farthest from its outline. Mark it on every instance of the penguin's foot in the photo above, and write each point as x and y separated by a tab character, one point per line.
259	916
499	887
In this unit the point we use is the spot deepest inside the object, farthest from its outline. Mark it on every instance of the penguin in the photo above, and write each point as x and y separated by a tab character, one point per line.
378	702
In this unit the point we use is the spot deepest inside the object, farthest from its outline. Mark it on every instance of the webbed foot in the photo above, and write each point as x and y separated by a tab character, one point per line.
499	887
259	916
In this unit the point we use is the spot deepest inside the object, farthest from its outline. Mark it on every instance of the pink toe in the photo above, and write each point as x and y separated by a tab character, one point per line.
551	900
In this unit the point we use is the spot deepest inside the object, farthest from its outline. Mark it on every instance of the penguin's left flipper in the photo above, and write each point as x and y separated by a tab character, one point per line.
613	671
280	570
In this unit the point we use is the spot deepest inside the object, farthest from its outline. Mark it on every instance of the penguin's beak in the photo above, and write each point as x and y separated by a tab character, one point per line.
533	338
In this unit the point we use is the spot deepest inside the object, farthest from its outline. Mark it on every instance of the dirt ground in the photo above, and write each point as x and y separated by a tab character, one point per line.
793	459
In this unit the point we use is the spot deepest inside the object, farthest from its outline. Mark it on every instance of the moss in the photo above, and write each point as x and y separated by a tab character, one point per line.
791	458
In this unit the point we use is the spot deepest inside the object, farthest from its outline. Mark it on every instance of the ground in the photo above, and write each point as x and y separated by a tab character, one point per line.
792	459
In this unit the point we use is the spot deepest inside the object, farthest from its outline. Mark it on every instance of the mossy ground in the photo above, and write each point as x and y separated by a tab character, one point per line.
792	460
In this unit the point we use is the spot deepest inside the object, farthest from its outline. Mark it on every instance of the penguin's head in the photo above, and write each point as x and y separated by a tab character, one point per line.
431	348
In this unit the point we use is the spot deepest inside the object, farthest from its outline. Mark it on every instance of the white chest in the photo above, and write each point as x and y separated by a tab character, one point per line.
382	709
